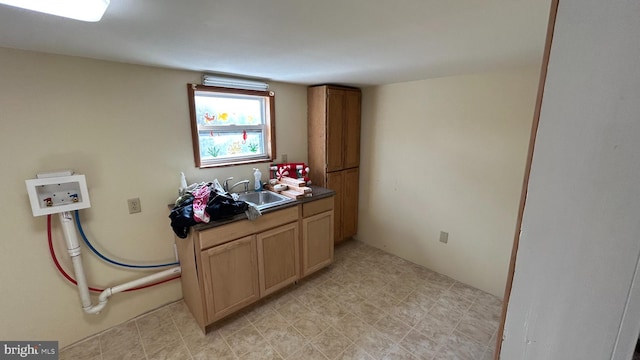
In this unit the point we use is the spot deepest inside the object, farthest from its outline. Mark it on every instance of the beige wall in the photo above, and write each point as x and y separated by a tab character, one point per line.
126	128
447	154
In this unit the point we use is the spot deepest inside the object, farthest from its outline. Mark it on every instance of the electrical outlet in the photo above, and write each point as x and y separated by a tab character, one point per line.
444	237
134	205
284	158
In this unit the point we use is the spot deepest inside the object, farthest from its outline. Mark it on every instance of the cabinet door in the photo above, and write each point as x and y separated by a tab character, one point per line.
335	183
230	277
345	183
351	129
278	257
335	132
350	202
317	242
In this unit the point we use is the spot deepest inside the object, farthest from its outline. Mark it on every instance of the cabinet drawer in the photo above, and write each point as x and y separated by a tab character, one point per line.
221	234
318	206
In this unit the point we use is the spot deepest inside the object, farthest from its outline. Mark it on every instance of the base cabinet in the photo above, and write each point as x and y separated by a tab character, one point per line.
230	277
317	235
278	258
317	242
228	267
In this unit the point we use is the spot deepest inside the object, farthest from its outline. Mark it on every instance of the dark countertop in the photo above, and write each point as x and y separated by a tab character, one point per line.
317	191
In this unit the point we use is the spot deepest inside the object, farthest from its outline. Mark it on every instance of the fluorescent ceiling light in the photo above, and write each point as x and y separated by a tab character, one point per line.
236	83
85	10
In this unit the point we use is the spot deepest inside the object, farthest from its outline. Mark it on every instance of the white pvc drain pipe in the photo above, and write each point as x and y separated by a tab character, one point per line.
73	248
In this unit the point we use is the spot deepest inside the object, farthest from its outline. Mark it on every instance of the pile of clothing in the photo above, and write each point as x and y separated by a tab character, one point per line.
203	202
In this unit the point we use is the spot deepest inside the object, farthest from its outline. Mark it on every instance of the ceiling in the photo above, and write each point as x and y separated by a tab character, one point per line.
354	42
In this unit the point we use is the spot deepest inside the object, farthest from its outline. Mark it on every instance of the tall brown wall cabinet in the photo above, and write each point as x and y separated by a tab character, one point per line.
334	150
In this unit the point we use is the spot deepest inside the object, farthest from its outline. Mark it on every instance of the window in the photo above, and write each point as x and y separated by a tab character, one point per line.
231	126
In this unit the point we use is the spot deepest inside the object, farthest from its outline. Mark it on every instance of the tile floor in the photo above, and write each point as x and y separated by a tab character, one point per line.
367	305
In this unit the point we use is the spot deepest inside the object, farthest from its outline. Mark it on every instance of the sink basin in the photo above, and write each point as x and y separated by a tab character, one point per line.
264	199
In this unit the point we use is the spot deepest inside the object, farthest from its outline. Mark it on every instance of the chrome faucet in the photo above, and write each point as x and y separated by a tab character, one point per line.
228	188
225	184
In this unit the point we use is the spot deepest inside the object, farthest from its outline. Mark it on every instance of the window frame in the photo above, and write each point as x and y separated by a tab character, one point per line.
269	133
